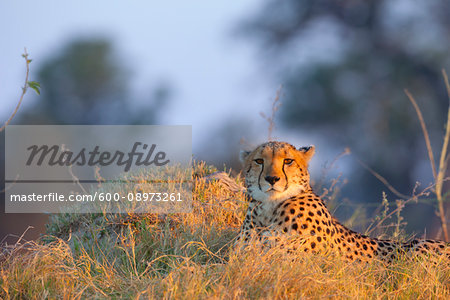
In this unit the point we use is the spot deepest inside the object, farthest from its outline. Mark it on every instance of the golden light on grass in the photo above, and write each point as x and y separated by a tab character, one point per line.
191	256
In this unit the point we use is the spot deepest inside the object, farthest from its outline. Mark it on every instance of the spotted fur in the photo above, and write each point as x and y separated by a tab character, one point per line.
282	204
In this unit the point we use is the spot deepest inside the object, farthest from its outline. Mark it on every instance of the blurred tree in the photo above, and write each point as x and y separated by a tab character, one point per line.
83	84
344	65
87	84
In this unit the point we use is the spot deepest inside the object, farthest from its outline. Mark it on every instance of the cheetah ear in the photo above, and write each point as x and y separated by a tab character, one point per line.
243	155
308	152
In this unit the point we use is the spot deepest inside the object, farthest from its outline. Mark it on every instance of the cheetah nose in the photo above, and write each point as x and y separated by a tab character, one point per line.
272	179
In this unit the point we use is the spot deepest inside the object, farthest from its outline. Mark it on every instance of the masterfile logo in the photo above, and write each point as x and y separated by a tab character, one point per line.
50	167
53	156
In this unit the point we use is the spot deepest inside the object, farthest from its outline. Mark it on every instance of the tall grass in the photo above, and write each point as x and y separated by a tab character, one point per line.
191	256
444	157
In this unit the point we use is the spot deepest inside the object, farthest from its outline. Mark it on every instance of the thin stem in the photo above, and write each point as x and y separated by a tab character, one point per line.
443	165
425	132
383	180
24	90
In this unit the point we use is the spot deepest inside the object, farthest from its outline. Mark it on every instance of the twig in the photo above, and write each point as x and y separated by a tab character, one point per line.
438	176
271	119
443	165
326	169
383	180
400	207
425	132
11	185
74	177
24	90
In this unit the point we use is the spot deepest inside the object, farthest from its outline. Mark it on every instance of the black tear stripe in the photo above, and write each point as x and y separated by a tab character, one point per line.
285	178
259	177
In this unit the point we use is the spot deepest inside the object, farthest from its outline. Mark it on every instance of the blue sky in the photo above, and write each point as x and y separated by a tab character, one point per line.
213	74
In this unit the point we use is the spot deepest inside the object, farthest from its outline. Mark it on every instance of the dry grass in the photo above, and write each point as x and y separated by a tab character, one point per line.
444	157
190	256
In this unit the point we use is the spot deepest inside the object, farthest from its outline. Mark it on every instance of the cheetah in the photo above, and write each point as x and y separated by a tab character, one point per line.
282	203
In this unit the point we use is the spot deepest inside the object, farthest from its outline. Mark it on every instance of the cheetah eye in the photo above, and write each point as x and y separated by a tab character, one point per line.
259	161
288	161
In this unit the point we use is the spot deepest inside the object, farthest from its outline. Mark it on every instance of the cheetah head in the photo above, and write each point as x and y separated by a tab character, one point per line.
276	170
